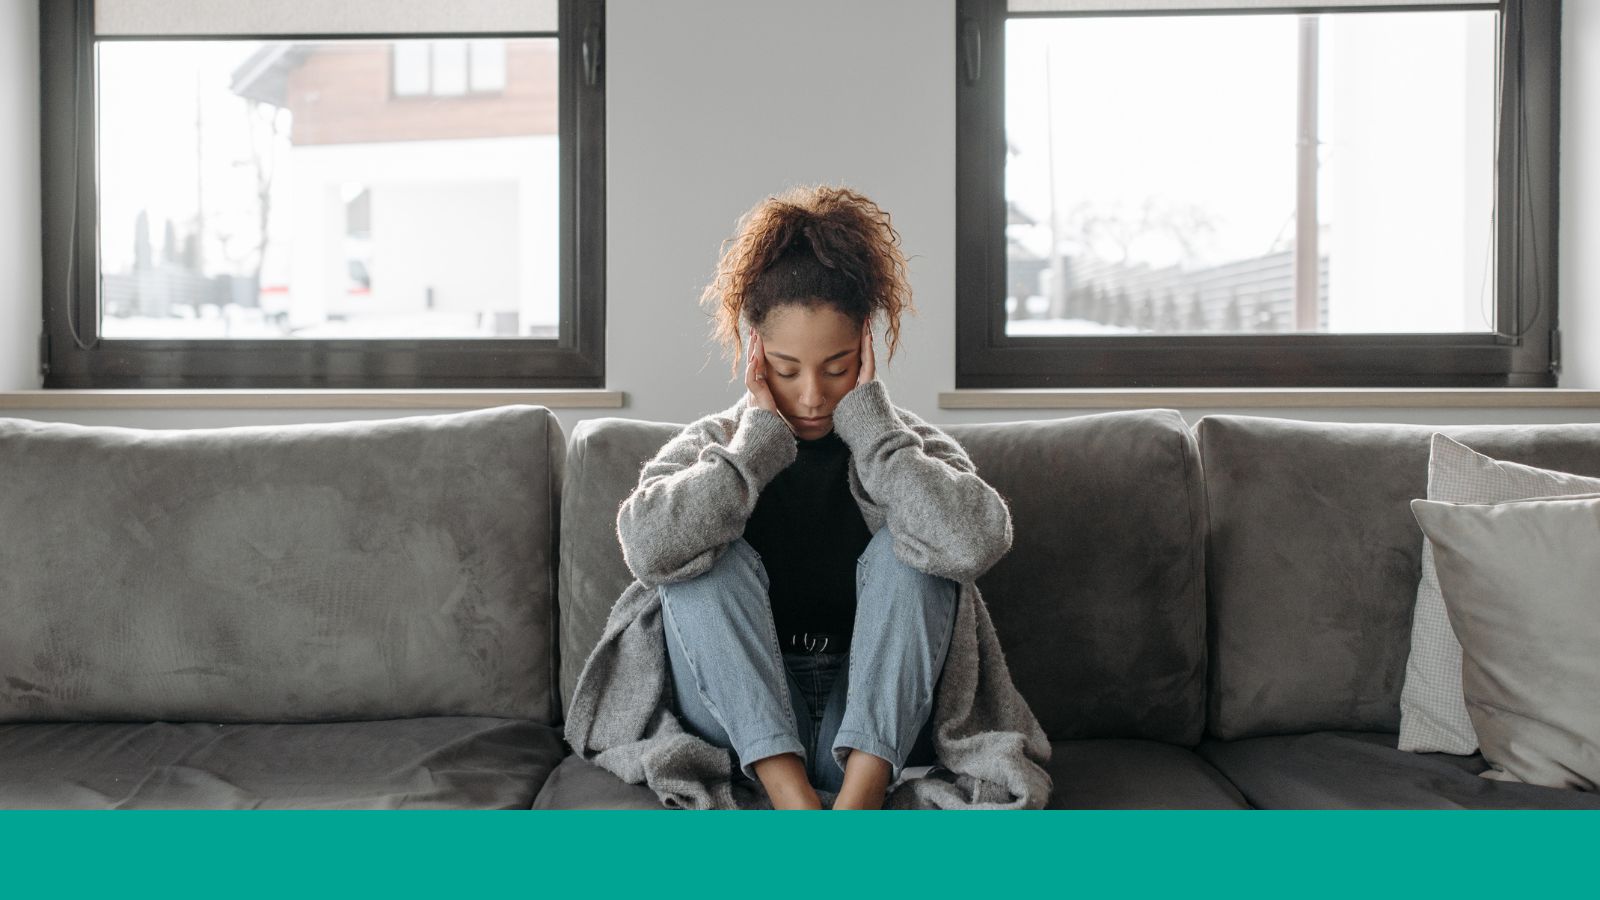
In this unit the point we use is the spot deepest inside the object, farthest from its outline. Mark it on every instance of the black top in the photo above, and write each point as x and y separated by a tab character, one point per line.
809	532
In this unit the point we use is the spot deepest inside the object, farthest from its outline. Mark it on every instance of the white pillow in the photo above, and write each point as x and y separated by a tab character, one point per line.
1433	714
1521	583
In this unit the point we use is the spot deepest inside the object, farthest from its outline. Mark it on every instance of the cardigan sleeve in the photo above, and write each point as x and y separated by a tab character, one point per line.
695	496
945	520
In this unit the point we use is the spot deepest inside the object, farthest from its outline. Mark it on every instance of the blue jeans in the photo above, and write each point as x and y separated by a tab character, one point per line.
736	689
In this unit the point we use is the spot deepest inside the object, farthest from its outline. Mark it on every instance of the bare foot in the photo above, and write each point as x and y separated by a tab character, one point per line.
866	780
784	777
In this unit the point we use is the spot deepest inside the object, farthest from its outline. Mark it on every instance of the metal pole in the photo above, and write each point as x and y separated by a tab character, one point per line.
1058	290
199	176
1306	264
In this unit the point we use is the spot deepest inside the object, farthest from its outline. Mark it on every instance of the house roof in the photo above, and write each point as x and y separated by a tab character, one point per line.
264	75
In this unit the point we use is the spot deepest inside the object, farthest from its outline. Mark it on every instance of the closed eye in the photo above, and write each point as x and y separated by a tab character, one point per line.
793	374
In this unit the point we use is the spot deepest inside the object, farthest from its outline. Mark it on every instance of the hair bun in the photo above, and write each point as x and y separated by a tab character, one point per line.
854	262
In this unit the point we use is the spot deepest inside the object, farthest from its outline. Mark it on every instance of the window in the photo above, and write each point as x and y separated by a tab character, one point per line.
386	195
1177	193
448	68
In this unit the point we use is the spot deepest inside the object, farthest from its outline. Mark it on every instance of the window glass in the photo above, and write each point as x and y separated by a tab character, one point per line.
449	68
1153	180
410	68
278	190
488	65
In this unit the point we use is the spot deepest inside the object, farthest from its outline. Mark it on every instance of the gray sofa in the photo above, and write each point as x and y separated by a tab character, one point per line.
392	613
1208	617
348	615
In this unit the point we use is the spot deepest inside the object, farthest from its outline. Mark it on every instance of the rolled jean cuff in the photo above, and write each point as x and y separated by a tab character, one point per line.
772	746
856	740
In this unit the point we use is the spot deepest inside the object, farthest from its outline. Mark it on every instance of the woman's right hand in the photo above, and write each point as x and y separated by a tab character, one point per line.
755	376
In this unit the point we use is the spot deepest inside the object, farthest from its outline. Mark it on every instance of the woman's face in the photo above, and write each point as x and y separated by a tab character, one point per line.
813	354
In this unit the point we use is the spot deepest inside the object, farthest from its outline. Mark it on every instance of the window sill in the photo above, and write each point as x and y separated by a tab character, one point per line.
468	398
1142	398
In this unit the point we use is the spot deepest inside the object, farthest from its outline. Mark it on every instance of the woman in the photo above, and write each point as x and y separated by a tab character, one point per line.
807	558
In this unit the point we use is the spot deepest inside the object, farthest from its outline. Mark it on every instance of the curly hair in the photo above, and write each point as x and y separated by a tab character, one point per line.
809	246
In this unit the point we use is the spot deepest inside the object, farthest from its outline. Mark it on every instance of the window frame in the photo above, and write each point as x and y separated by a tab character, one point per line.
1525	251
573	359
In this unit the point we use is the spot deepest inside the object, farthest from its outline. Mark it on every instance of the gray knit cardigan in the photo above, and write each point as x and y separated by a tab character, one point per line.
693	500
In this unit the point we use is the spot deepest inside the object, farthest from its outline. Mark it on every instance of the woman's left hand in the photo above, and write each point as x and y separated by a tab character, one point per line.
868	366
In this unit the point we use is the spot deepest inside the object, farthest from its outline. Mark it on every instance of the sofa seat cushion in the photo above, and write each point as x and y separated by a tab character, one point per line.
1130	774
1364	770
580	784
445	762
1088	774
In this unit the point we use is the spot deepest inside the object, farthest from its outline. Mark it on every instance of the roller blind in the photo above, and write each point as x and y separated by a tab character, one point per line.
130	18
1117	6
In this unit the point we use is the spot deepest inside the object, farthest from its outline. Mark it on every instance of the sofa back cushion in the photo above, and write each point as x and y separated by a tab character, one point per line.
604	457
1099	605
1314	558
360	570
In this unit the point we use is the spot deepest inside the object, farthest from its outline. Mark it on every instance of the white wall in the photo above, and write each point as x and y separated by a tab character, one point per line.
714	104
19	195
1580	195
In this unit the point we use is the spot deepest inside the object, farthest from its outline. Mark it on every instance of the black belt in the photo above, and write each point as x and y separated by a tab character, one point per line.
815	642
